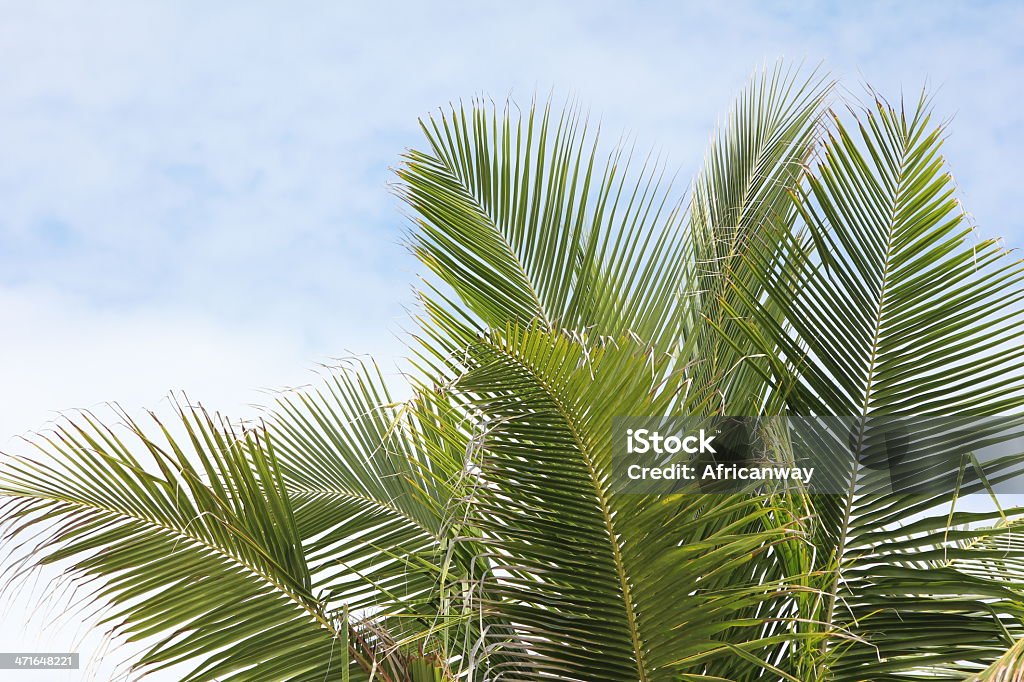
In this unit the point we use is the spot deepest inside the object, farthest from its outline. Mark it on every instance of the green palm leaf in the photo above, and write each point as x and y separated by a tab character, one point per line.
521	219
196	546
741	223
594	584
896	312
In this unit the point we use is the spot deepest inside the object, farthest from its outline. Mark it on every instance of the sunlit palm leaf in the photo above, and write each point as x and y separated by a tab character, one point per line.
195	546
898	312
594	584
741	221
520	216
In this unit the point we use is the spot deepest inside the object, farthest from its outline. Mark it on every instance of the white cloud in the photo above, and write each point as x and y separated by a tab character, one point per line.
60	354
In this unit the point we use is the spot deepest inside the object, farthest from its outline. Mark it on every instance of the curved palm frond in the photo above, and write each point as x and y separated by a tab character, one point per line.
896	312
520	218
741	223
195	546
597	584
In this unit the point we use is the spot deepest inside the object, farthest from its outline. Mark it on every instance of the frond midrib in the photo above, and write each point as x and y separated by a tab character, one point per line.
294	595
604	504
865	406
327	491
478	204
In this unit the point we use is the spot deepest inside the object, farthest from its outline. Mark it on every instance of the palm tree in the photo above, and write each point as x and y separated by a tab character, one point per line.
821	266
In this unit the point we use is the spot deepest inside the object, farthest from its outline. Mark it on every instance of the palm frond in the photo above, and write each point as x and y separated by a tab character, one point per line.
896	312
741	222
524	220
592	583
195	545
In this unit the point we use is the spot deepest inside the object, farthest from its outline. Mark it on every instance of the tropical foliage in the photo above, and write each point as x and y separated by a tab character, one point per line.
819	265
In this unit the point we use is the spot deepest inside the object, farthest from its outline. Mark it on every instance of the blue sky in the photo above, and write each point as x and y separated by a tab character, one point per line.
194	195
219	171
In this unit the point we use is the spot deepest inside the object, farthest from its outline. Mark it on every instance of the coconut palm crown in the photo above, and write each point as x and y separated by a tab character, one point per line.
819	264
